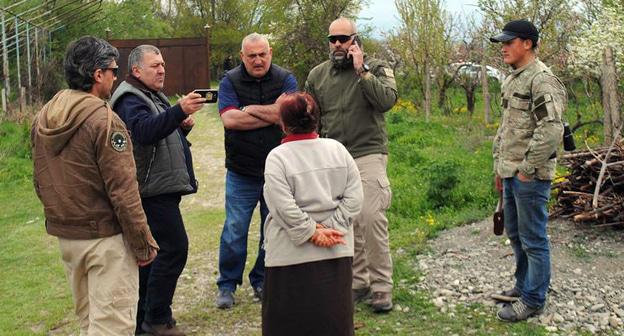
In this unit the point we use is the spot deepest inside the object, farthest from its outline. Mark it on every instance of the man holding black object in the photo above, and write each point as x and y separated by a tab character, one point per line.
524	151
165	173
353	91
249	98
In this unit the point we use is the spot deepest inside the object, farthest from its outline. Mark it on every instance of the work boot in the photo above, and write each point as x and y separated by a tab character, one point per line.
381	302
167	329
361	295
225	299
510	295
518	311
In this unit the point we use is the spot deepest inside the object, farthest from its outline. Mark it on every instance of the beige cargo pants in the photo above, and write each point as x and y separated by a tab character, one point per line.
372	263
104	278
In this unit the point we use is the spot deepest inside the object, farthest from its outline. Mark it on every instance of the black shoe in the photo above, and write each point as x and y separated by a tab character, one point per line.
166	329
225	299
518	311
361	295
139	331
258	293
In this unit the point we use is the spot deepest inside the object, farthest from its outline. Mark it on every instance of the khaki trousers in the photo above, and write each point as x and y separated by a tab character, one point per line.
104	278
372	263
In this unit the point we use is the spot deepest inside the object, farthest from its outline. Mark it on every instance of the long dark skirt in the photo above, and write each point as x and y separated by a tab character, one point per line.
310	299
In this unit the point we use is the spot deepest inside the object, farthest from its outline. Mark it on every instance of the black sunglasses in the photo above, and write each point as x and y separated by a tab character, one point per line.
114	70
340	38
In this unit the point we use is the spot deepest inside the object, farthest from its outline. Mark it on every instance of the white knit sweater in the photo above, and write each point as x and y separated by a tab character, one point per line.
308	182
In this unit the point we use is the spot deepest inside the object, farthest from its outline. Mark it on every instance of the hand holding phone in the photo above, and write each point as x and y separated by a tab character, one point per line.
209	94
356	52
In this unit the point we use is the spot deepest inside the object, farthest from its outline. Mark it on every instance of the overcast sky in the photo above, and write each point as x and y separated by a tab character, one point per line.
382	14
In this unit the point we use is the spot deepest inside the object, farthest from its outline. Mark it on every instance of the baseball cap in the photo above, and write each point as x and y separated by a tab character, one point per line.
517	28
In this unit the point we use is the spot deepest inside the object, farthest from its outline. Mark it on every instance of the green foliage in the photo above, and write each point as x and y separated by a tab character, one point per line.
443	178
440	173
15	152
300	30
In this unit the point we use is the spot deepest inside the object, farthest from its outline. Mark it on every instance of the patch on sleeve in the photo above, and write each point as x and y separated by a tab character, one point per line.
119	141
388	72
542	107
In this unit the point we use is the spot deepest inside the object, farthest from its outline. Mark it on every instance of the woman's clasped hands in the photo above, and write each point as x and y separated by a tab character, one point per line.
326	237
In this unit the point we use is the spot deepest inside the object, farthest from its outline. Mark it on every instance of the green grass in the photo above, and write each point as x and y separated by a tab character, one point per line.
441	177
33	290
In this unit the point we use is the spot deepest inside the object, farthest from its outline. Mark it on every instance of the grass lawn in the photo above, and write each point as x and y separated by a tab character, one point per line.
441	177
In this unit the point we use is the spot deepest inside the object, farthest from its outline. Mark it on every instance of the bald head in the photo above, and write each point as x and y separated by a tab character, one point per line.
342	26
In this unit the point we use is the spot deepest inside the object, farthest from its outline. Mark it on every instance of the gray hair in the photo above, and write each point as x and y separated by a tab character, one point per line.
136	55
83	57
253	37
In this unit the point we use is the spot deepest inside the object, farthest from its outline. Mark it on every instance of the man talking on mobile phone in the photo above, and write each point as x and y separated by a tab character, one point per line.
353	91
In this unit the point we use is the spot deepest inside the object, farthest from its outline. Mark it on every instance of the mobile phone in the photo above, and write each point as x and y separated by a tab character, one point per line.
209	94
357	41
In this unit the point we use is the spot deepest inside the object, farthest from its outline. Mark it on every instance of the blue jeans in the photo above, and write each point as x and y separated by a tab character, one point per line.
526	218
242	194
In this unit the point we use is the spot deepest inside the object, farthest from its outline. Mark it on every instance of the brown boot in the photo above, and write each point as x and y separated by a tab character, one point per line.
382	302
167	329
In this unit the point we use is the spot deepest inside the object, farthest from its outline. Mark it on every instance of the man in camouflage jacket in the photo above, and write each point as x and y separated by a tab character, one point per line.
524	151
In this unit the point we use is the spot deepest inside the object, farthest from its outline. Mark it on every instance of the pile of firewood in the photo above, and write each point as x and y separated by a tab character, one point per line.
593	191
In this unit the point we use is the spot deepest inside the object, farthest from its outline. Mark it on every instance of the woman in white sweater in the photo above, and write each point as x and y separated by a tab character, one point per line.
313	190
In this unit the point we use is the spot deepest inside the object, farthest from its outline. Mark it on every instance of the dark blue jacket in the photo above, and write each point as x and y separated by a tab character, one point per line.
150	131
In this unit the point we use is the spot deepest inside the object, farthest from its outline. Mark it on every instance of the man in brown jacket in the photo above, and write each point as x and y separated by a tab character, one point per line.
85	176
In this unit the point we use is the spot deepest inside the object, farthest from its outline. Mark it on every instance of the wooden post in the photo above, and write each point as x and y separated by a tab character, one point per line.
5	60
22	100
108	33
427	80
208	53
486	94
17	53
610	103
4	101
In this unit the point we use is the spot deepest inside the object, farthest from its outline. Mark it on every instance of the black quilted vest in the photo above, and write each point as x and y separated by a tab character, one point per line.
246	151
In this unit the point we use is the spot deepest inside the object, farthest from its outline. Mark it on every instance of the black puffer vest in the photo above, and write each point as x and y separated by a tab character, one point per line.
246	151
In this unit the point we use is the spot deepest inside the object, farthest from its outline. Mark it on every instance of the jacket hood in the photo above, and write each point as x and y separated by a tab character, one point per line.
63	115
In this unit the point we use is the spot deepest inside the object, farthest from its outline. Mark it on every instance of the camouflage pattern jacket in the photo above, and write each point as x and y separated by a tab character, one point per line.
531	129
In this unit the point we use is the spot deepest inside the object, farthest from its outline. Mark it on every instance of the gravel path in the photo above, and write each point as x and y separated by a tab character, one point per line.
469	263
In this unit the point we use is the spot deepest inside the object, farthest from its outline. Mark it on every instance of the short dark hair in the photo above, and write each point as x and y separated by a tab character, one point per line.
299	113
83	57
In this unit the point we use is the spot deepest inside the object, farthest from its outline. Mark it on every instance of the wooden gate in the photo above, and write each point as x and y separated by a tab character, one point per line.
187	62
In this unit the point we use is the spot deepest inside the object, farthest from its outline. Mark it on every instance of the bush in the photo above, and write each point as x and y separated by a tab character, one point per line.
443	178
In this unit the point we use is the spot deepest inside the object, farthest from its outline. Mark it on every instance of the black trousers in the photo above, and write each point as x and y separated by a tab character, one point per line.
158	280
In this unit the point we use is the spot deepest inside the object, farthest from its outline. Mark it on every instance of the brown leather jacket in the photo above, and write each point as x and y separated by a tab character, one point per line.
84	172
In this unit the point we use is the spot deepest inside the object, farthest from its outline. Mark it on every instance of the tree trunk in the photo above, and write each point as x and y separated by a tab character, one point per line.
470	101
427	92
486	95
610	103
